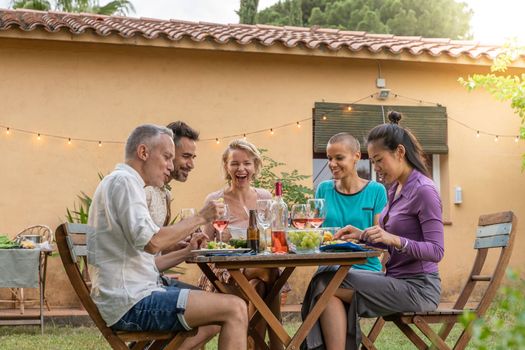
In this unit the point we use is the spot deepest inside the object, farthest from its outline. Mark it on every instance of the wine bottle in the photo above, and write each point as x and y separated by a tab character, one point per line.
252	233
280	221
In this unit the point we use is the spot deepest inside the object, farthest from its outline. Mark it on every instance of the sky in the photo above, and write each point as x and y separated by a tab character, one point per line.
493	21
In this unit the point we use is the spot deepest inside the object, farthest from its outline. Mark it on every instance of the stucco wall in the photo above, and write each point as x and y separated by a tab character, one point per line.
102	92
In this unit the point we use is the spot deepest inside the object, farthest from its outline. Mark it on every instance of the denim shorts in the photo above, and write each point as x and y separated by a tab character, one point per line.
160	311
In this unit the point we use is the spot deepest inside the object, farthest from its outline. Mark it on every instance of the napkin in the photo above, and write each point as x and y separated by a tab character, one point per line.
343	247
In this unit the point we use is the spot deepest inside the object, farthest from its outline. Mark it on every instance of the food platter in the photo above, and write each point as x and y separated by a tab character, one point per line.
233	251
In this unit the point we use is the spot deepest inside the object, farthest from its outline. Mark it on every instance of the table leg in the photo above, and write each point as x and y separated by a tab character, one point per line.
21	300
221	287
318	308
274	292
259	304
41	292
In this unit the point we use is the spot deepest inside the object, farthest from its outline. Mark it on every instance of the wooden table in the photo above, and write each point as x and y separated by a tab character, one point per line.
243	288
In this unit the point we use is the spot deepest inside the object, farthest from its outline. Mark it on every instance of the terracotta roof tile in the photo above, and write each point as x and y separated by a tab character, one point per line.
267	35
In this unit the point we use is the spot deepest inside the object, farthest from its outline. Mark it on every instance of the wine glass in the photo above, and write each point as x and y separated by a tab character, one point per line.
221	223
264	218
316	211
299	215
186	213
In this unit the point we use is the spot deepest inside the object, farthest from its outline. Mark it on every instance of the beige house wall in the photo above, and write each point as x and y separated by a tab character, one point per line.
102	92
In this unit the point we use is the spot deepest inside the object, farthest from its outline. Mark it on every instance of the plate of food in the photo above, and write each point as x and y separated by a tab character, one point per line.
220	251
218	248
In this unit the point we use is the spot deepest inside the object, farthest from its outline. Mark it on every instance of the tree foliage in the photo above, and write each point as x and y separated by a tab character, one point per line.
437	18
503	87
505	328
293	190
115	7
248	11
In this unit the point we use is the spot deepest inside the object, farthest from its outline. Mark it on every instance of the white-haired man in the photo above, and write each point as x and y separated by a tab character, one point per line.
125	275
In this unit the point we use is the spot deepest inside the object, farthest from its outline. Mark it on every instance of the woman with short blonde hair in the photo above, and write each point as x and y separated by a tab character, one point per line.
242	162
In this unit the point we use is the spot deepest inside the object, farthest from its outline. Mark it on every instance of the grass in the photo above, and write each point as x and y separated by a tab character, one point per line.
88	338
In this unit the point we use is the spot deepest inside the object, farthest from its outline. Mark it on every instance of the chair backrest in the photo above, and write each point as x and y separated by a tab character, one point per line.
495	231
71	243
40	230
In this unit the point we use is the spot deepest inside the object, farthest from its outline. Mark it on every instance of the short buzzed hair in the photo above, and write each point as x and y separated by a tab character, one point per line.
180	129
347	138
146	134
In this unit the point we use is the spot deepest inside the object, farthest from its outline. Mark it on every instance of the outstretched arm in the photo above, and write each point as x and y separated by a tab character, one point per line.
168	236
171	259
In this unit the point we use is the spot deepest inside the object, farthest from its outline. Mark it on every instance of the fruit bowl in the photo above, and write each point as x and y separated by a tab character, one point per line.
304	241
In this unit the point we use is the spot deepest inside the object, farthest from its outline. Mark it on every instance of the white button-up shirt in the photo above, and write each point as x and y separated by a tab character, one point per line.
121	272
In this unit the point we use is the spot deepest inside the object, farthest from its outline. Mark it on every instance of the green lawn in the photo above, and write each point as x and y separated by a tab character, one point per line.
78	338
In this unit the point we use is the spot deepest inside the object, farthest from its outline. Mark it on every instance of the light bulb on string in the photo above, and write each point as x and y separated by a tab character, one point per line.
244	137
7	131
298	125
100	144
496	138
477	134
69	141
517	139
325	117
38	137
271	132
217	141
349	109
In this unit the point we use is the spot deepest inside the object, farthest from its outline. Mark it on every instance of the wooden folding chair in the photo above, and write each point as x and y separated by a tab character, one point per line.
71	243
495	231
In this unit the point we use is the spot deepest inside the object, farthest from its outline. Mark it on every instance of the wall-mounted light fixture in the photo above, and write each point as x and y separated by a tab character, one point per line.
458	195
383	94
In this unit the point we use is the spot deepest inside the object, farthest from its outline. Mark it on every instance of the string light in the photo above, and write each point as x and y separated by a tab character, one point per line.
347	107
38	137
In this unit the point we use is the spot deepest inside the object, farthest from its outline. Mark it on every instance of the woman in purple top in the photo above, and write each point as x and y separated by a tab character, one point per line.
410	227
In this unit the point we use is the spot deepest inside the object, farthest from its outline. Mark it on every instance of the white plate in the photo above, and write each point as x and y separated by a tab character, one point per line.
204	251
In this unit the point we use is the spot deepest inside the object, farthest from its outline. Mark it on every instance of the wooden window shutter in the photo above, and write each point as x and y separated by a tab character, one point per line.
428	124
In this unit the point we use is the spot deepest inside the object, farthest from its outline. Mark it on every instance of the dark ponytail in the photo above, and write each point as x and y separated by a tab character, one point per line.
392	135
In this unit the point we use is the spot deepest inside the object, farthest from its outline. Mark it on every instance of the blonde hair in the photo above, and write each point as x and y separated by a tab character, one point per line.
248	147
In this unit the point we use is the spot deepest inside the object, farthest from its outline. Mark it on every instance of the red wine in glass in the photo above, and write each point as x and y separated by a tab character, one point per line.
220	225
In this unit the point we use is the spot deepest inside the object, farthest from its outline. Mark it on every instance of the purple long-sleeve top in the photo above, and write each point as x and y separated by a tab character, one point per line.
416	217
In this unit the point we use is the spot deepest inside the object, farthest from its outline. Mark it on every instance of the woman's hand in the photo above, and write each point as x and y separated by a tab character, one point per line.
348	232
376	234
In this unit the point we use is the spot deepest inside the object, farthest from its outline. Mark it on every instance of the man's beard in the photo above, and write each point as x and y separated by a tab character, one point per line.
180	175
